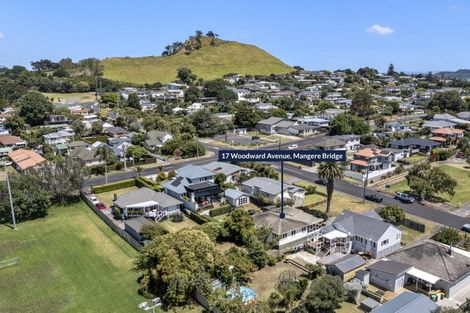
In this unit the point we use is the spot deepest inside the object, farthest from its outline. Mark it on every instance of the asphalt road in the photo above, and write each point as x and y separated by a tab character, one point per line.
423	211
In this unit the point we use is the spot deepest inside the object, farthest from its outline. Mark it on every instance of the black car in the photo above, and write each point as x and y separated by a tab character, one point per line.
374	198
320	182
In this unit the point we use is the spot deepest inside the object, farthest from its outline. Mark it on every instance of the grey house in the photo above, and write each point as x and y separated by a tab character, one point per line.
412	145
231	171
271	189
389	275
345	266
147	202
353	232
268	125
407	302
134	226
236	198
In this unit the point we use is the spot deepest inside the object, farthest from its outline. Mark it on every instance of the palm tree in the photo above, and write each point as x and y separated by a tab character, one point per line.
330	171
103	153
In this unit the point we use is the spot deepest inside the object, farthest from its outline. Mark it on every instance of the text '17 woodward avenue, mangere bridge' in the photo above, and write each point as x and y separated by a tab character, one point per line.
281	155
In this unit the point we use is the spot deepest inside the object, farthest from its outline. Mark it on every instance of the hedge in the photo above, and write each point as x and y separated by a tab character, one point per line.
145	182
314	212
220	211
113	186
199	219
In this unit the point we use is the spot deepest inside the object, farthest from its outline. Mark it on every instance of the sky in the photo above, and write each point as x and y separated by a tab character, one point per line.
416	36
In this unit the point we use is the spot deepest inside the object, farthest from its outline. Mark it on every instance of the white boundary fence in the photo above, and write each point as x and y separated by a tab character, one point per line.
10	262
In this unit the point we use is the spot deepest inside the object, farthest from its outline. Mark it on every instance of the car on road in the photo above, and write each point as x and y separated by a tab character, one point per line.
466	227
320	182
94	200
374	198
101	206
294	146
404	197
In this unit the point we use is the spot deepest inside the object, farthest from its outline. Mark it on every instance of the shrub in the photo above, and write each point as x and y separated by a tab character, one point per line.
113	186
448	236
310	189
314	212
199	219
150	231
145	182
393	214
220	211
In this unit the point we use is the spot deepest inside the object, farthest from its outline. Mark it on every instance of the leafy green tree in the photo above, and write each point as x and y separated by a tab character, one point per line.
34	108
104	153
151	231
11	90
325	294
110	98
428	181
330	171
133	101
30	199
186	75
240	226
192	94
138	139
449	100
16	124
361	103
393	214
205	122
346	123
391	70
137	153
448	236
245	116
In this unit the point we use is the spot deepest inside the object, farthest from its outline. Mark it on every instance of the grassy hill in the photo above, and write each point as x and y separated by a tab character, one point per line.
209	62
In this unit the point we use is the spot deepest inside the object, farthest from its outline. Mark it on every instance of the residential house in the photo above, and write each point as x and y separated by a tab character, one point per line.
115	132
407	302
450	118
147	202
438	124
302	129
236	198
86	155
60	137
330	114
231	171
10	141
313	121
156	139
283	127
271	189
464	115
268	125
397	127
352	142
24	159
265	107
413	145
435	266
388	274
77	144
328	143
375	162
195	187
354	232
293	231
447	136
57	119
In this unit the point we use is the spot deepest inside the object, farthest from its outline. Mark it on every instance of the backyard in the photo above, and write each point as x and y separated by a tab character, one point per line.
69	261
174	227
462	190
340	201
107	197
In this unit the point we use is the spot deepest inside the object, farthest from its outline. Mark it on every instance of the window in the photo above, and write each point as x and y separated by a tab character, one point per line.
304	229
293	232
398	236
284	235
374	245
385	242
243	200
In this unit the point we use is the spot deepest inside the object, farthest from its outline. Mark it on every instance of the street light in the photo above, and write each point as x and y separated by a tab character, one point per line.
9	195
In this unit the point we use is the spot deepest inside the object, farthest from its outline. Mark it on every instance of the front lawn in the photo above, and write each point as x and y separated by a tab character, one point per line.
340	201
174	227
69	261
409	235
462	190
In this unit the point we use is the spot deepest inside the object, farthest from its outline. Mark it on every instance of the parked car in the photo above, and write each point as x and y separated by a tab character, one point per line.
466	227
320	182
101	206
294	146
460	155
94	200
374	198
404	197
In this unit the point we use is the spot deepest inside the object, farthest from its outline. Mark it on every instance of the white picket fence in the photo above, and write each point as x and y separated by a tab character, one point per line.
10	262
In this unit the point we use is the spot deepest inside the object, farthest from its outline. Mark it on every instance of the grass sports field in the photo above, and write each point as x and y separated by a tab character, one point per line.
69	262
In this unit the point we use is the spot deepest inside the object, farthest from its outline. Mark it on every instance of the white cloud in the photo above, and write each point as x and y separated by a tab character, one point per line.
1	35
380	30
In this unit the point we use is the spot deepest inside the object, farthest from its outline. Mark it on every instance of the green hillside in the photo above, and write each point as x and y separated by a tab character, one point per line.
208	62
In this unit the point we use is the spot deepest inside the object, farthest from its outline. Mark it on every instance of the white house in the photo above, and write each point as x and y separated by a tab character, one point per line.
59	137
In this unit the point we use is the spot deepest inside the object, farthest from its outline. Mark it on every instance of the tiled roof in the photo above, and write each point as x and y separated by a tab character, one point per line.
25	159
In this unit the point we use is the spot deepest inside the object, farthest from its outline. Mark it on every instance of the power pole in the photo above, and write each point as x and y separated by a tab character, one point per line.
197	147
282	215
11	198
365	183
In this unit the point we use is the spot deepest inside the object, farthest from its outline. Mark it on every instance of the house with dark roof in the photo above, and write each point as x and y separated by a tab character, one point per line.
352	142
86	155
195	187
388	274
434	266
407	302
414	145
147	202
268	125
156	139
231	171
134	226
302	129
344	266
354	232
328	143
236	198
294	231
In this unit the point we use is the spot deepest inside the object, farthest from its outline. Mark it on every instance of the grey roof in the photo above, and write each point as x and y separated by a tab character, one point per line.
137	223
303	127
360	225
234	193
146	194
373	214
464	115
115	130
433	258
225	168
271	121
407	302
284	124
414	142
439	124
192	172
346	137
329	142
269	186
78	143
294	219
348	263
390	267
450	118
85	154
370	303
156	135
177	185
